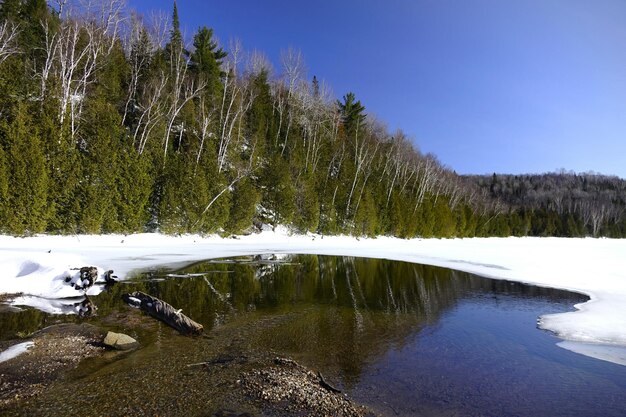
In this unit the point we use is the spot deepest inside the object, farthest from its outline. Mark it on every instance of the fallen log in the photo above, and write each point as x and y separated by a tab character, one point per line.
163	311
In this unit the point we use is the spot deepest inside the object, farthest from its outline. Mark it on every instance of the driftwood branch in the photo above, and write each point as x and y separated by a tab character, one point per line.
163	311
326	385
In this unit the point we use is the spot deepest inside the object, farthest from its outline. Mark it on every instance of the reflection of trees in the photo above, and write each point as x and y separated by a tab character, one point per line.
338	312
359	308
348	311
22	322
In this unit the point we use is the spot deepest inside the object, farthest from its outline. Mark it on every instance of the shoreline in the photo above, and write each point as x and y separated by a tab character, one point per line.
594	267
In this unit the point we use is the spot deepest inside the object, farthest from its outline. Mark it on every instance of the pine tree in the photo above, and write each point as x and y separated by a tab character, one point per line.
176	37
206	60
351	113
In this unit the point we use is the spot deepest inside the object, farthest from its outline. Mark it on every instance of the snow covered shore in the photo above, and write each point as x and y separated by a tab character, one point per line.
37	267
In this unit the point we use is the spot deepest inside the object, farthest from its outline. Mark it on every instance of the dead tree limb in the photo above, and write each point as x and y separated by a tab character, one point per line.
163	311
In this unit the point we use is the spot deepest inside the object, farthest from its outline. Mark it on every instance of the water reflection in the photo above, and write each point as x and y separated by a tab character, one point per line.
353	298
343	312
419	338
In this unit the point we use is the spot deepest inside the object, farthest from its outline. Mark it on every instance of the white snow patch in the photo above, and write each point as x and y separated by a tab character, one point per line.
615	354
50	305
596	267
15	351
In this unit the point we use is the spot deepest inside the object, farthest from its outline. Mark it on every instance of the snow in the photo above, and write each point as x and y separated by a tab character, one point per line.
609	353
14	351
596	267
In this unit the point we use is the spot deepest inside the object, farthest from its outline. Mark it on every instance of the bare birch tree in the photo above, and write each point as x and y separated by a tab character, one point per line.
8	37
87	32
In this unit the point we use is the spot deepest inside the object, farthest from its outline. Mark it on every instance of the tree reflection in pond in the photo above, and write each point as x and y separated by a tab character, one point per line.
420	338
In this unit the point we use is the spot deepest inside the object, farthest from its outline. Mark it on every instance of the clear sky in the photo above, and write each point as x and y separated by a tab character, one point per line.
488	86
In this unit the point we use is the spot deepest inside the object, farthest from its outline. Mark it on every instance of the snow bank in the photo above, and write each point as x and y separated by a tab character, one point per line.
41	274
596	267
15	350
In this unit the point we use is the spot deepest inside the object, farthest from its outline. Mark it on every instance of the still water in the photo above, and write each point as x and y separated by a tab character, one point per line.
400	338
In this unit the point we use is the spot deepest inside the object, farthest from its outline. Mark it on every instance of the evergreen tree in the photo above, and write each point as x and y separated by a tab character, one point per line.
307	208
351	113
134	184
176	37
186	194
29	180
279	192
206	59
99	160
366	219
5	207
64	173
243	206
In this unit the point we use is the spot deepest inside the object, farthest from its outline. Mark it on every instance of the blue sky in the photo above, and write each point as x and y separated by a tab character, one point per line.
486	85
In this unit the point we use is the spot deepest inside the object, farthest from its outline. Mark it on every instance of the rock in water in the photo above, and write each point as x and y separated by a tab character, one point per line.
120	341
88	277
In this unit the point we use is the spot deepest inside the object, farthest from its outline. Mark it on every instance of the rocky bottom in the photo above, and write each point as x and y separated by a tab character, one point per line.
47	380
55	350
286	388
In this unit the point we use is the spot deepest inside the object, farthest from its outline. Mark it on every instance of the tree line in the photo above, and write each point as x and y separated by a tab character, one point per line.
560	203
111	122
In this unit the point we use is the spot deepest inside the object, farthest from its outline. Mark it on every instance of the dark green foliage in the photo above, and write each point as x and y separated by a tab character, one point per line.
150	151
28	191
100	146
133	187
259	120
365	219
278	192
243	206
307	208
10	10
206	59
351	113
185	197
176	37
5	208
65	177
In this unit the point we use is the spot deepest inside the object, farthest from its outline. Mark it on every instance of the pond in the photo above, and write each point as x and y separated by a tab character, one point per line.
399	338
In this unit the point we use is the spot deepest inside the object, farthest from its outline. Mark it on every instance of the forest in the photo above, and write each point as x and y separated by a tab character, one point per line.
113	122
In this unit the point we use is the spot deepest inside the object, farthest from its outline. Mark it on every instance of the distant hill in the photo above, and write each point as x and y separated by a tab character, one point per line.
562	204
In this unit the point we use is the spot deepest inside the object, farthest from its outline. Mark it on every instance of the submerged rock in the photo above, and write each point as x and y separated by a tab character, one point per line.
120	341
287	388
